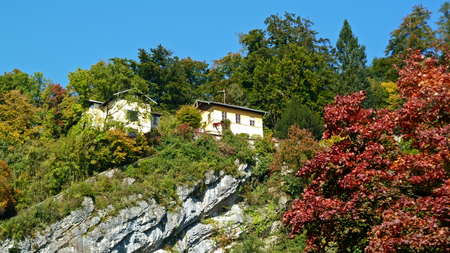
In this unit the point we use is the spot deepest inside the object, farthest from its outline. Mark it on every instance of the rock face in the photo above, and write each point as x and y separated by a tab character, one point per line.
147	227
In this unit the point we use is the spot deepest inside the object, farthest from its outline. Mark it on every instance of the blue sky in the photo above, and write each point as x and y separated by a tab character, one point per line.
57	37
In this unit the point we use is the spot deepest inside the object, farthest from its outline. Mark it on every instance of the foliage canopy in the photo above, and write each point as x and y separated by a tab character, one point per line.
369	192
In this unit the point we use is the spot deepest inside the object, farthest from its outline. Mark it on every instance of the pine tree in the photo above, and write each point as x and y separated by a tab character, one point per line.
414	32
444	23
350	54
351	58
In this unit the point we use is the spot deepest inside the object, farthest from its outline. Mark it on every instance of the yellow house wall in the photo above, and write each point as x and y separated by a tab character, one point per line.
243	127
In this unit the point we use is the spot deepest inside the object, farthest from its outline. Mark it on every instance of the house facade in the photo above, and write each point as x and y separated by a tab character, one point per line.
243	119
134	115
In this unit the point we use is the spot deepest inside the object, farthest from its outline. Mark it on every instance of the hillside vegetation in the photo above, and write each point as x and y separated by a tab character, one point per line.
363	156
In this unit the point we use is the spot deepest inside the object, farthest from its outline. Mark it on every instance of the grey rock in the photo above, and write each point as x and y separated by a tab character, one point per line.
283	202
145	227
276	226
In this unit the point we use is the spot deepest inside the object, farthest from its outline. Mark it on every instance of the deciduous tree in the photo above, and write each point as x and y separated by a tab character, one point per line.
369	192
19	119
7	200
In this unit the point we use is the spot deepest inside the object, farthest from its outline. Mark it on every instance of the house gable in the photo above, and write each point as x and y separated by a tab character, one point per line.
243	120
134	114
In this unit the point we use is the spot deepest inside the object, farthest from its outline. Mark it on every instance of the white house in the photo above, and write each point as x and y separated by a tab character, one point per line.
129	107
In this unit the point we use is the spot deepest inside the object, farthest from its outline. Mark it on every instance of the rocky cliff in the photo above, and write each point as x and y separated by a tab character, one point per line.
149	227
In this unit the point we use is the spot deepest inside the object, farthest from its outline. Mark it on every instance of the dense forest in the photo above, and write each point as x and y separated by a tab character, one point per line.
342	110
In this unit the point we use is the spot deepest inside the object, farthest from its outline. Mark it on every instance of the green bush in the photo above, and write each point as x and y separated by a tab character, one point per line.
303	117
189	115
167	123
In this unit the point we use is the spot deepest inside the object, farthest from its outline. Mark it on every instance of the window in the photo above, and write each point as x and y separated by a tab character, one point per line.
133	115
224	115
238	118
252	121
132	133
209	118
155	120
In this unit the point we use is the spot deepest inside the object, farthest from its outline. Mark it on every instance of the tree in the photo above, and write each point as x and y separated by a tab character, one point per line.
383	69
30	86
171	82
349	53
444	23
7	201
230	74
414	32
369	192
18	118
189	115
299	147
52	98
301	116
285	60
103	80
236	95
351	59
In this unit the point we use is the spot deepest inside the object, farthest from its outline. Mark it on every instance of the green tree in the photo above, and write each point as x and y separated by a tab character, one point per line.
301	116
171	82
414	32
349	53
31	86
103	80
444	23
293	63
229	73
351	60
383	69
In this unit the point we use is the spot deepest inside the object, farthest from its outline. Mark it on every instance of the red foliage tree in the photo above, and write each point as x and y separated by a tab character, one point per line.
372	193
54	96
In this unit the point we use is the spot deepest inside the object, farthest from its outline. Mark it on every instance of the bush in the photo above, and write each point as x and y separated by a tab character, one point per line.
300	115
167	123
189	115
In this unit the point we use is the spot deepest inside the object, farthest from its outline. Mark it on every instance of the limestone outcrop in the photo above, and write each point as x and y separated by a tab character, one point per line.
147	226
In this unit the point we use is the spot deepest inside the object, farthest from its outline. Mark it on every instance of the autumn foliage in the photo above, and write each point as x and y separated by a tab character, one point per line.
373	192
7	200
18	118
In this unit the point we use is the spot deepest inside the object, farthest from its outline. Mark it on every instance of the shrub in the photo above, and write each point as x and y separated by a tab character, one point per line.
167	123
189	115
300	115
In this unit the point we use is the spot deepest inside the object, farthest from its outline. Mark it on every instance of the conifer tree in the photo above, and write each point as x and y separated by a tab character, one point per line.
444	23
300	115
351	59
414	32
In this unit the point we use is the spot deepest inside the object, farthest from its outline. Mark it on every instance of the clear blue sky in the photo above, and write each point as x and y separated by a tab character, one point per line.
57	37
